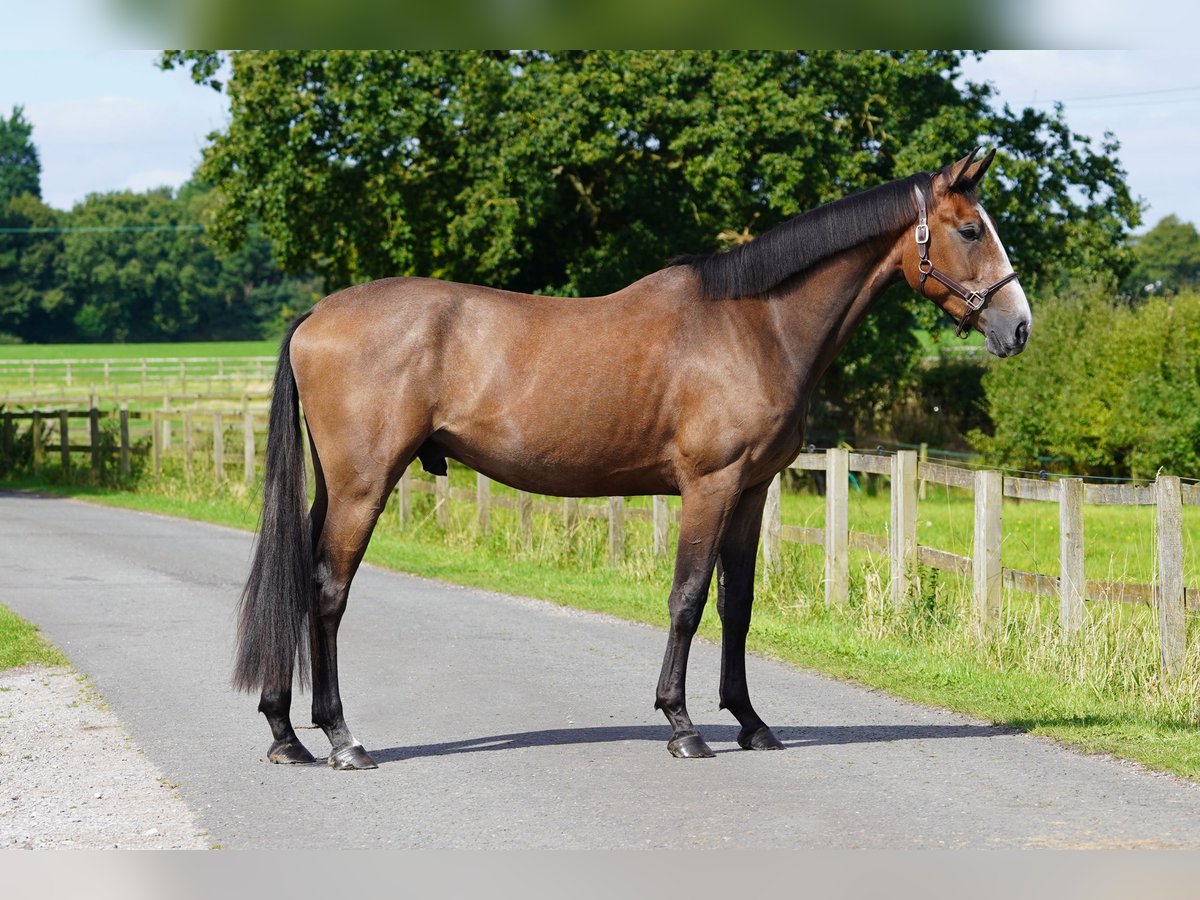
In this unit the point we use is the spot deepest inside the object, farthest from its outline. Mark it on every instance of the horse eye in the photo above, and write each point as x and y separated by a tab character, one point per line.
969	232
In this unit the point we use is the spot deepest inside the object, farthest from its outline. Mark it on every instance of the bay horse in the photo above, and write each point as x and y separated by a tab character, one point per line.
694	380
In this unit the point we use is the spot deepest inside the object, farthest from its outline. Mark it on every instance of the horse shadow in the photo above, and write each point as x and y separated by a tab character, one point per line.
797	736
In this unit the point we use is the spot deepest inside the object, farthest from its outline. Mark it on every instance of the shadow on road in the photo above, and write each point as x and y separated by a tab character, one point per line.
811	736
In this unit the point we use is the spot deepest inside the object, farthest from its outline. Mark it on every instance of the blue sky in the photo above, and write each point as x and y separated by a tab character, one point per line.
109	119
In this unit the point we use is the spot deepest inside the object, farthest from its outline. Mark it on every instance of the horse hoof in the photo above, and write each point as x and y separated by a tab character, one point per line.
352	757
689	746
289	753
761	739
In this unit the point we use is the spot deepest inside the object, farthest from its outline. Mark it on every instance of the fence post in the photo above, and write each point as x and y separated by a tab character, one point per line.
188	445
124	440
837	526
441	488
248	445
68	373
525	513
616	531
772	526
922	456
660	516
989	494
6	438
64	440
1072	584
483	503
94	434
1169	587
904	524
218	447
156	442
404	490
36	436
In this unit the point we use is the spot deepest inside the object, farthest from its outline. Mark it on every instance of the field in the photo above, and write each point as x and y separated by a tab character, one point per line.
227	349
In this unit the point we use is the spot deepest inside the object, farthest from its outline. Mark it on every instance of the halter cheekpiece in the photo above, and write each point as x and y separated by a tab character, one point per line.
975	300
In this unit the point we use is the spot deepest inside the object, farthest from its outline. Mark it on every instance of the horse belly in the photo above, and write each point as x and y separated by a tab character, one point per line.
562	455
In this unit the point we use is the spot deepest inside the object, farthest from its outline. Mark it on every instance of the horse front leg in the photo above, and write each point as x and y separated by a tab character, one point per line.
735	597
706	508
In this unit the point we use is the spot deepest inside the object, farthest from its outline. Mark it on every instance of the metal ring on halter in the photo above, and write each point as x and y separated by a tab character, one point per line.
924	266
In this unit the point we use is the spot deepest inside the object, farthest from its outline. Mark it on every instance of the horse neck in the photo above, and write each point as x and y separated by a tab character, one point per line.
818	310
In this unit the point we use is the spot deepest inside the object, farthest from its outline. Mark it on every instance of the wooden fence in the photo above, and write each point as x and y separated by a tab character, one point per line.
157	431
905	473
34	374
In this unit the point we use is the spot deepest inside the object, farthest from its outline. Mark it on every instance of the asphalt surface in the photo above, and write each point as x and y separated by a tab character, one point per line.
504	722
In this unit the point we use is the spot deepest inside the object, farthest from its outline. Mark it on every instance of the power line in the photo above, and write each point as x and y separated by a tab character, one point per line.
1127	95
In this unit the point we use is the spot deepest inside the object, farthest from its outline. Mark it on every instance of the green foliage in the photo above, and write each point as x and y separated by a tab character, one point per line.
137	285
1166	258
578	172
1107	388
20	168
131	266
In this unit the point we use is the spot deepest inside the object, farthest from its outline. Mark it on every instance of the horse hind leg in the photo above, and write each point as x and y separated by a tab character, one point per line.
353	506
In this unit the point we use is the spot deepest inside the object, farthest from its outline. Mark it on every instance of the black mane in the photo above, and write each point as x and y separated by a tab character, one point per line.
759	266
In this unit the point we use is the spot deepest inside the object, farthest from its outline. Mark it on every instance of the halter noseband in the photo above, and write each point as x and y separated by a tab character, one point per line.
975	300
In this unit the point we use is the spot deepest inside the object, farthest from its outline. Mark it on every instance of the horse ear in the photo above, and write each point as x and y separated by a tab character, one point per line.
947	180
971	174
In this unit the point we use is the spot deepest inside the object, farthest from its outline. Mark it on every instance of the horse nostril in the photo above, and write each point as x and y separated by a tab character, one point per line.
1022	332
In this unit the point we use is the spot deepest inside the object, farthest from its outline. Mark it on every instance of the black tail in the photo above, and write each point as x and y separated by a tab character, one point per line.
274	609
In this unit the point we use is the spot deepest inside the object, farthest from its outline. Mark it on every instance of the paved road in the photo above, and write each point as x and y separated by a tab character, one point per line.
505	722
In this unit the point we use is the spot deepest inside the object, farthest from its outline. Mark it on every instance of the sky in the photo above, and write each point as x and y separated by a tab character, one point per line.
109	119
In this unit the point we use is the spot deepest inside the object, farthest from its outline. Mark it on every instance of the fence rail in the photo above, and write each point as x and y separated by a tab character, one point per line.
37	378
51	431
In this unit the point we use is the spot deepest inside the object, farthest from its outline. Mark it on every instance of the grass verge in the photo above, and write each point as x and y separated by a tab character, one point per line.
1101	693
22	644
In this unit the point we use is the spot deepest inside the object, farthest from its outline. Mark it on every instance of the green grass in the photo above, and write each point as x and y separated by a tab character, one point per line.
22	644
1102	692
227	349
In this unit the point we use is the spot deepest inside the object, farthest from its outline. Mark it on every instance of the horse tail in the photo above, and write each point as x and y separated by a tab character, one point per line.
278	596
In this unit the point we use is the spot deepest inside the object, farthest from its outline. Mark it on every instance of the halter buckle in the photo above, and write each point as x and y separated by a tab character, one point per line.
922	234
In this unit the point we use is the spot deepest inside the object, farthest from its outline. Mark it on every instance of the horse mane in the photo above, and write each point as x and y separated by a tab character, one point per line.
759	266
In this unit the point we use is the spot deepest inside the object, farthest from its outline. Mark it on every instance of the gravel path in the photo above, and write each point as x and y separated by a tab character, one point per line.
503	722
71	777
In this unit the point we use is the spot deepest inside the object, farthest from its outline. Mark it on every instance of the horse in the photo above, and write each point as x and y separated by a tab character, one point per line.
693	381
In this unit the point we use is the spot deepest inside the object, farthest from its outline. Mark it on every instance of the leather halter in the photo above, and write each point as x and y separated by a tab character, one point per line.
975	300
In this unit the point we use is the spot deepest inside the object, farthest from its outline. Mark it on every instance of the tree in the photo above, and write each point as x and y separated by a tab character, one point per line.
1106	388
576	173
1167	258
33	301
20	169
139	267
